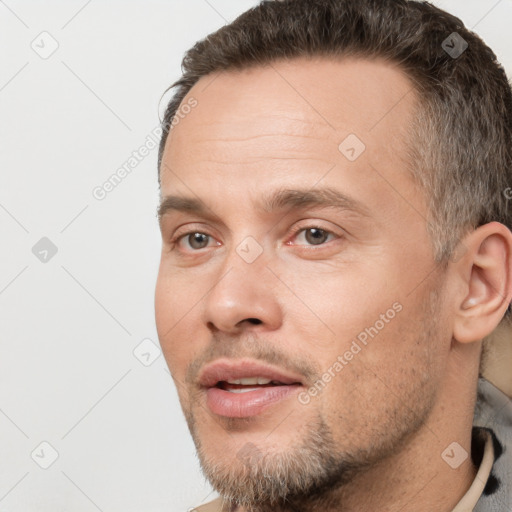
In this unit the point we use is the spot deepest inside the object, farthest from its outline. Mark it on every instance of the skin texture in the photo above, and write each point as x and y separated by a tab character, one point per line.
372	438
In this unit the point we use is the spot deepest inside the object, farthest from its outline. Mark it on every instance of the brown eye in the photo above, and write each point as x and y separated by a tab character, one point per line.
316	236
198	240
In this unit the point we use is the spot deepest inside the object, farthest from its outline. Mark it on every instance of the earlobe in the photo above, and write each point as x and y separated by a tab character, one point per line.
486	272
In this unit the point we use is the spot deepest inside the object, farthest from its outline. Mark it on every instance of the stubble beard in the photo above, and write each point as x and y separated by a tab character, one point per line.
302	478
314	474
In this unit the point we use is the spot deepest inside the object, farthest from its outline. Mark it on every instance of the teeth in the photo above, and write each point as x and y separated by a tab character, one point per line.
250	381
242	390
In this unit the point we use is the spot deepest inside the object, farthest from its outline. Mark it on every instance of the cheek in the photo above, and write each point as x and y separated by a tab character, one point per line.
176	294
335	304
382	386
164	306
367	327
174	316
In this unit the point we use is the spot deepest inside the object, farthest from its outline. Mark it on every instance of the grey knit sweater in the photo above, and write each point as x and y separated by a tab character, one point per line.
493	412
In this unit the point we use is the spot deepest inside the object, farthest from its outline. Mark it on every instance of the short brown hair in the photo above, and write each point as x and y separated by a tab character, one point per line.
461	139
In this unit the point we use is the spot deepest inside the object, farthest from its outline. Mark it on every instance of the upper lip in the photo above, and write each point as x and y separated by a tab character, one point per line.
225	369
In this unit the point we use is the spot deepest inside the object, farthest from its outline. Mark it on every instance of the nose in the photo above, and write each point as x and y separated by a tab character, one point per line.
243	297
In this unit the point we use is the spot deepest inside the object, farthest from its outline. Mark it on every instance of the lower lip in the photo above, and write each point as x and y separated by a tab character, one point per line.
249	403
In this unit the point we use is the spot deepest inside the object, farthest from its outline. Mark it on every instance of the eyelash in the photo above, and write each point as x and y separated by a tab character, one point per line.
295	231
299	229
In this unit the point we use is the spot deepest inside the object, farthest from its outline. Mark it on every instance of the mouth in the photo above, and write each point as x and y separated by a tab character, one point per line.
247	384
241	389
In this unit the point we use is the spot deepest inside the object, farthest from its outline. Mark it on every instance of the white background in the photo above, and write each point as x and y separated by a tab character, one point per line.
68	327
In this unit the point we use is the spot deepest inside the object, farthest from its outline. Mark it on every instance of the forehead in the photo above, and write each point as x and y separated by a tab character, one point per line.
288	119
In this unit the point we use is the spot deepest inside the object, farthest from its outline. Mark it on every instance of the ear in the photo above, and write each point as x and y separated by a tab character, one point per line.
485	275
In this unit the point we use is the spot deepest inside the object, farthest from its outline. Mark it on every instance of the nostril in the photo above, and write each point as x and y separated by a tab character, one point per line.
255	321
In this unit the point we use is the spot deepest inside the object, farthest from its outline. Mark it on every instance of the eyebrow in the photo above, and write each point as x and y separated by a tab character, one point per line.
281	199
324	197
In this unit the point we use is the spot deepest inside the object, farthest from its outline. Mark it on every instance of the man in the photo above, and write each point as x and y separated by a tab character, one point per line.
336	246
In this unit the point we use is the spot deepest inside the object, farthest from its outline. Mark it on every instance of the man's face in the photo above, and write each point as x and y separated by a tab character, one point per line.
262	283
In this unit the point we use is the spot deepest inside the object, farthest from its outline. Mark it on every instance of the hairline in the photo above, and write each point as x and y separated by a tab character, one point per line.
409	150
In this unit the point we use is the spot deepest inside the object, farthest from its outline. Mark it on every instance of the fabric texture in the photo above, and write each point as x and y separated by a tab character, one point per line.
493	413
482	448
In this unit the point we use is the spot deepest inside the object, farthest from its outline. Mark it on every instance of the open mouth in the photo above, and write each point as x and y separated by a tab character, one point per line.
245	388
249	384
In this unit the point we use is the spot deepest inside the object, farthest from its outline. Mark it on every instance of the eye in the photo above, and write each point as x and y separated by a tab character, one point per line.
313	235
194	239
